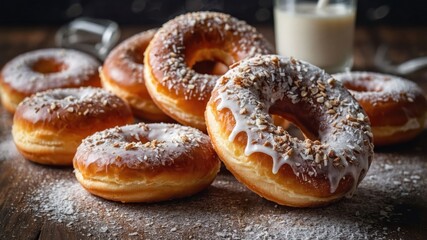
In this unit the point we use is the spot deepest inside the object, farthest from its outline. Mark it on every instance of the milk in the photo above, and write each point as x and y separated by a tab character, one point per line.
321	36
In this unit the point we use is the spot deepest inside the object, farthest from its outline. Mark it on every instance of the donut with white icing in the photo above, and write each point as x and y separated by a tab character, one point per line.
146	162
395	106
45	69
177	49
49	126
327	165
123	74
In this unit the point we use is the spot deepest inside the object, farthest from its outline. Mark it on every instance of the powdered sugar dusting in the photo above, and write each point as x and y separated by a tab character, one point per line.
58	204
8	149
7	146
392	195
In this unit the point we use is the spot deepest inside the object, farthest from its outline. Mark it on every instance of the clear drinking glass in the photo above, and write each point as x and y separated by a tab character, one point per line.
317	31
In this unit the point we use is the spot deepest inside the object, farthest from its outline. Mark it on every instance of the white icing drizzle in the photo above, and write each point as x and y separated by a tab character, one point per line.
344	147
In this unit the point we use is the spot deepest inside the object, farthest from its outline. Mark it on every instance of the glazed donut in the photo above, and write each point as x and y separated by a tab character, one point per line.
123	74
180	45
146	162
49	126
45	69
395	106
327	165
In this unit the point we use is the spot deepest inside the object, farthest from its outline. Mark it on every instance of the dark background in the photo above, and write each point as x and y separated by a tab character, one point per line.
156	12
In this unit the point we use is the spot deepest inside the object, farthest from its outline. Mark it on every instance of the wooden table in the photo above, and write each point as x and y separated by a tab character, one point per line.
39	202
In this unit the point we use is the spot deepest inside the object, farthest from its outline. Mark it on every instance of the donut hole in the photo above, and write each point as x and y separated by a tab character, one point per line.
295	118
210	67
65	96
290	127
48	66
362	87
137	55
210	61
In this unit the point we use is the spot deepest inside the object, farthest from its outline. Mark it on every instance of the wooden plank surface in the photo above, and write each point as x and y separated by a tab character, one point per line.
39	202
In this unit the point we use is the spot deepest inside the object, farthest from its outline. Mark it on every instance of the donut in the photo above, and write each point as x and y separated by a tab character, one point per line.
123	74
146	162
49	126
325	166
172	57
395	106
45	69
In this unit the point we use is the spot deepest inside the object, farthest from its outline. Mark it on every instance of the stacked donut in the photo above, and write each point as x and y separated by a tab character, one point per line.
209	72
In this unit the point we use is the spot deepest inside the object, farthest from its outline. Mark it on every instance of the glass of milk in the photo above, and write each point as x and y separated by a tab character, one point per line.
317	31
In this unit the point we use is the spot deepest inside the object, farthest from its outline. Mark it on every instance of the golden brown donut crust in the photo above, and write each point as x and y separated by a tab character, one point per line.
146	162
316	192
314	172
123	74
45	69
395	106
180	91
48	127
